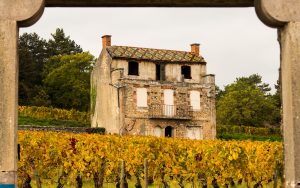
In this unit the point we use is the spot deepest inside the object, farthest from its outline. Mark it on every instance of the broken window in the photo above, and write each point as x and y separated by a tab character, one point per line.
186	72
160	72
157	71
169	131
133	68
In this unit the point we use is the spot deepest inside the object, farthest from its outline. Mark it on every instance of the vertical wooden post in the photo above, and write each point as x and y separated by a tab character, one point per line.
122	178
275	176
146	172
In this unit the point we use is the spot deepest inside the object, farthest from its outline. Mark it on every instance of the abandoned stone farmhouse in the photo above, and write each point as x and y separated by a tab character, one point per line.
145	91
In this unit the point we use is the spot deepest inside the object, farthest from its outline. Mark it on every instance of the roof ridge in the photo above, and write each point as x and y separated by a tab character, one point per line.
153	54
151	48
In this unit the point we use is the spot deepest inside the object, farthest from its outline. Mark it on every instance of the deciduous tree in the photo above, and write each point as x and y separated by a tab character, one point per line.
68	85
247	102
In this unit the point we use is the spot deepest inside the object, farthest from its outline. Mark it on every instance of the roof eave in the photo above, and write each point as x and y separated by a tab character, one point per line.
161	61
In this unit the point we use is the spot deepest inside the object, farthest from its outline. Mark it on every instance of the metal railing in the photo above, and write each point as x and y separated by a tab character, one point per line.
170	111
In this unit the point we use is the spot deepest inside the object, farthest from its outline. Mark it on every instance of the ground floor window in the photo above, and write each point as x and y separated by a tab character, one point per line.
194	133
157	131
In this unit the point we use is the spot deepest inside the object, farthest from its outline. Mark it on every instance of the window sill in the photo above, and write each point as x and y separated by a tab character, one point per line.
142	108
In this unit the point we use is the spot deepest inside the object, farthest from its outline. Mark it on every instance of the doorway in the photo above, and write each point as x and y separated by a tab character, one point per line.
169	131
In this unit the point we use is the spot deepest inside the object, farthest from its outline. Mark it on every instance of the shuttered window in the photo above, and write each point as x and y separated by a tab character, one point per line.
195	100
141	95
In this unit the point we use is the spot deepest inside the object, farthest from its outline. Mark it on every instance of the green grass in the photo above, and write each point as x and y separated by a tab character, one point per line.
24	120
243	136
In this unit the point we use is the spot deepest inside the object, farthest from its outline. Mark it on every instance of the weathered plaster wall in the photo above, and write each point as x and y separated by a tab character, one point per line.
173	72
106	113
147	71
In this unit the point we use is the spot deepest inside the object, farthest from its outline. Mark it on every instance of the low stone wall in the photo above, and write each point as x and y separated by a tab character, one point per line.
55	129
62	129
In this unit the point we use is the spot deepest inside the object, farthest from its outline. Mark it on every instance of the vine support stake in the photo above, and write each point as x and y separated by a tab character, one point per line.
146	172
122	178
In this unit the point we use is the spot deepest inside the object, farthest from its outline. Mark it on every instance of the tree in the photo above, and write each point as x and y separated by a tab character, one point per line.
246	102
68	84
255	80
33	54
219	93
62	44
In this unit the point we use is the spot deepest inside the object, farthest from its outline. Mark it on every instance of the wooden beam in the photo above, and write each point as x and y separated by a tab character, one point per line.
149	3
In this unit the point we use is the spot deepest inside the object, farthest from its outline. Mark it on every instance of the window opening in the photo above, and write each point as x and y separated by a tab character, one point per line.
168	107
158	71
186	72
133	68
169	131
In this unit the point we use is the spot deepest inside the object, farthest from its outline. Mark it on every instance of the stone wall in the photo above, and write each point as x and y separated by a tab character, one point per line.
54	129
137	119
116	99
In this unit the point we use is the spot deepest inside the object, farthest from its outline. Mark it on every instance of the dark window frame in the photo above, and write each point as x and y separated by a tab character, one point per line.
160	72
157	72
133	68
186	72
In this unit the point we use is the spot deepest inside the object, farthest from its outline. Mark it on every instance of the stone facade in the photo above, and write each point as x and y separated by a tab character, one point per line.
146	102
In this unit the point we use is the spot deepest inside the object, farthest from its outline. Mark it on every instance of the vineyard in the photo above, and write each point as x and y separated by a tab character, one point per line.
53	113
233	129
64	158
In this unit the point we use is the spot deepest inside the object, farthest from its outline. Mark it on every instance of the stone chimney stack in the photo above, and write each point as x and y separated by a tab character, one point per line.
106	40
195	49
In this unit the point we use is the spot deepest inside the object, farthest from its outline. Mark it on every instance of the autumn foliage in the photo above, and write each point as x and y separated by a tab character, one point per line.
182	160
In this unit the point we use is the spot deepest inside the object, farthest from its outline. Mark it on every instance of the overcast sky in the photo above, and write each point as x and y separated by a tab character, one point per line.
234	42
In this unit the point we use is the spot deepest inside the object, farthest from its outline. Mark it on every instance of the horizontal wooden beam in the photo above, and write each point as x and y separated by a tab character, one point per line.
149	3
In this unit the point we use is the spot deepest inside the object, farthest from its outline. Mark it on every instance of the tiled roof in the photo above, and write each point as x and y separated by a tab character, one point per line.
156	55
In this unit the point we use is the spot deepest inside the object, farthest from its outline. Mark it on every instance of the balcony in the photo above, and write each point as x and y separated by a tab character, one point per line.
170	112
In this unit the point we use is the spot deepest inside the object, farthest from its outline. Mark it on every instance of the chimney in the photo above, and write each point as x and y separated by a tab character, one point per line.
106	40
195	49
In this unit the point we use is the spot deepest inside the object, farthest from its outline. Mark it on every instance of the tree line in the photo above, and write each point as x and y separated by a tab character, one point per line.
56	72
248	101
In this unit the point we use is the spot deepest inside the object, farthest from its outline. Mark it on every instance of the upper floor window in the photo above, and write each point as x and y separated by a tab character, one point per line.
186	72
141	97
133	68
195	100
160	72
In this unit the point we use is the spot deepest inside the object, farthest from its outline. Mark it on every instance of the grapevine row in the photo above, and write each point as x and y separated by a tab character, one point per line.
186	161
53	113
